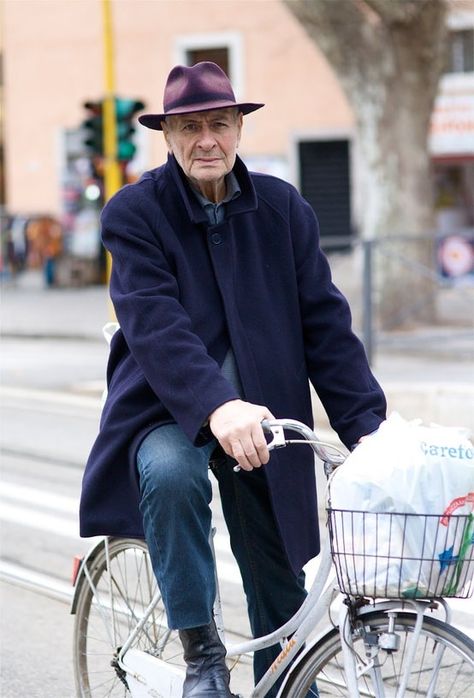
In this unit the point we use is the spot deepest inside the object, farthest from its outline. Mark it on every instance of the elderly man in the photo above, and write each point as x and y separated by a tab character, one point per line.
226	308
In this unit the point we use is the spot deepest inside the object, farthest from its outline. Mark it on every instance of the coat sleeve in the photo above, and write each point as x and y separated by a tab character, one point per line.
156	327
336	360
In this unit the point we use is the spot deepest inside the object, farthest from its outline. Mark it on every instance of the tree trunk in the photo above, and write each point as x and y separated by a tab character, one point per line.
392	128
388	55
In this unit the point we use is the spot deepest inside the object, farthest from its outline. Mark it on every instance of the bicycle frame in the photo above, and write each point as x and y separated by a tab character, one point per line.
298	627
146	674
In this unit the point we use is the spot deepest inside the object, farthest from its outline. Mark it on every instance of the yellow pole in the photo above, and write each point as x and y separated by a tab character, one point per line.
112	174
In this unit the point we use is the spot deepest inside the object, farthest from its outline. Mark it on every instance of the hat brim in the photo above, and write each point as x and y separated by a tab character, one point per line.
154	120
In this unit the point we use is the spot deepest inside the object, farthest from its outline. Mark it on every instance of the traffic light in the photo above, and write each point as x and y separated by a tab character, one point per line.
125	110
93	127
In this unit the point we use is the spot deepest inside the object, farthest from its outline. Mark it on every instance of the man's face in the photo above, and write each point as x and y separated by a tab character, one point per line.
205	145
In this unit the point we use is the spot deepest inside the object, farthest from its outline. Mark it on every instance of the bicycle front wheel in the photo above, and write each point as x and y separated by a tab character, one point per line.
443	665
110	603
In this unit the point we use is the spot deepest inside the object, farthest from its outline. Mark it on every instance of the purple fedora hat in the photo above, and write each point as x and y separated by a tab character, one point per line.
201	87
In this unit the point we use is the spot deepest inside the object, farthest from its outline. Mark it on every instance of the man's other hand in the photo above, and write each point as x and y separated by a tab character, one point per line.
237	427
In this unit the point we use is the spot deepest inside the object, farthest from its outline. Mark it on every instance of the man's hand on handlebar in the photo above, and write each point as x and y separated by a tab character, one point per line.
237	426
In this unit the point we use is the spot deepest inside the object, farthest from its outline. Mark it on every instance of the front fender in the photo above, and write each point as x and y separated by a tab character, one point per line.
80	578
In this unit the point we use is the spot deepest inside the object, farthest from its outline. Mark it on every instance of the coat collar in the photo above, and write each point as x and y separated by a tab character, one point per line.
245	203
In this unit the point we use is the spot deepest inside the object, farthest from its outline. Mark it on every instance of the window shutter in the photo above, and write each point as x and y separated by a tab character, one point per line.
325	184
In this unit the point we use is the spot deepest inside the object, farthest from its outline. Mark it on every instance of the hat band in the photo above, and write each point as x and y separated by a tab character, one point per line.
199	99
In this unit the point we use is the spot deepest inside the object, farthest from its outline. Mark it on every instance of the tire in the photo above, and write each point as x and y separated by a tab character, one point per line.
324	663
95	648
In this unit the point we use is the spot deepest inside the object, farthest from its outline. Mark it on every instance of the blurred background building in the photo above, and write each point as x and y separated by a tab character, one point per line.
52	57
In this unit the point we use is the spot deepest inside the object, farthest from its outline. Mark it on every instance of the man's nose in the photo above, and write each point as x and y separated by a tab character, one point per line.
206	138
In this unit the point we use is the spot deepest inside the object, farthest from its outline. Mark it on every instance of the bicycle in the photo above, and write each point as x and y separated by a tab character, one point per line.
382	648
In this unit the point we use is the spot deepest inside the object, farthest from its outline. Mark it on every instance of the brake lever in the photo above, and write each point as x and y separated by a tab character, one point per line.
278	440
278	433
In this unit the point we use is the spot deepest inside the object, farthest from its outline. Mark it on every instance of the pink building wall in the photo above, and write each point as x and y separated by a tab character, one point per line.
53	62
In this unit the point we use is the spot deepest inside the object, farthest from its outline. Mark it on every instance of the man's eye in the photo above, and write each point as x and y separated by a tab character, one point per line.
190	127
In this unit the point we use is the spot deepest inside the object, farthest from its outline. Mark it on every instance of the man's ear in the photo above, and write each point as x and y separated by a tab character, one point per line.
240	123
165	130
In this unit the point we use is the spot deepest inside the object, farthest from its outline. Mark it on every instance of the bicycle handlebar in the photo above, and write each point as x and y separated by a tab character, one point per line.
276	428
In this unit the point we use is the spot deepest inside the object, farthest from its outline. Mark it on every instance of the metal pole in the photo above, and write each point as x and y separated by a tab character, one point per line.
367	321
112	174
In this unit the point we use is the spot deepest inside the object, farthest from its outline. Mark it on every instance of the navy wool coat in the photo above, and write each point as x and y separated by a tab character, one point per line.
185	291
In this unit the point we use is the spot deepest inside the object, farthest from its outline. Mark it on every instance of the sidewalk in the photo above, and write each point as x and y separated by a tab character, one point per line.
426	373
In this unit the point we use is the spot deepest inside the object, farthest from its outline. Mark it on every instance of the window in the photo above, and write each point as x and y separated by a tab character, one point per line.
223	48
325	182
216	55
460	57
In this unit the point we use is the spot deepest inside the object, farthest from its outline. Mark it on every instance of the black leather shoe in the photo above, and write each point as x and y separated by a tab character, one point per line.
207	675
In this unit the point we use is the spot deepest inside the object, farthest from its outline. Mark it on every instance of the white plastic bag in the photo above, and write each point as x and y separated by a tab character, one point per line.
403	522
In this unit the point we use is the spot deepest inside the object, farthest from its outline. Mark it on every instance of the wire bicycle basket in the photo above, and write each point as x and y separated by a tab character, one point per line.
398	555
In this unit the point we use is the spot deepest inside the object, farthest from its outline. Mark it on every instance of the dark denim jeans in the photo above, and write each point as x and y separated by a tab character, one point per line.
176	493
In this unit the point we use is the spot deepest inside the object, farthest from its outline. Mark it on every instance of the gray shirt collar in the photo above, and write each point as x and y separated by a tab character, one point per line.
215	212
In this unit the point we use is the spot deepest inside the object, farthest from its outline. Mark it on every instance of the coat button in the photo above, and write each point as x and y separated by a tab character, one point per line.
216	238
